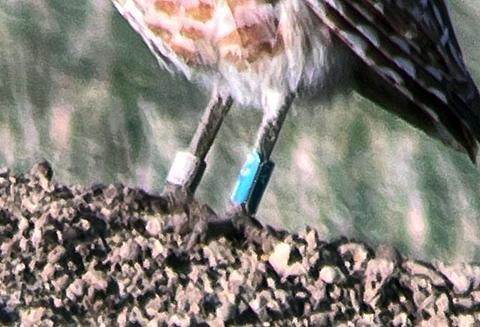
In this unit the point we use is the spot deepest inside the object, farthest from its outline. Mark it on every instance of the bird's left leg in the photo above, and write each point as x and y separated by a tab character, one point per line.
255	173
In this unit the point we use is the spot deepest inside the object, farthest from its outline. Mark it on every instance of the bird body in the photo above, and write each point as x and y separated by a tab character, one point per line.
401	54
257	49
260	51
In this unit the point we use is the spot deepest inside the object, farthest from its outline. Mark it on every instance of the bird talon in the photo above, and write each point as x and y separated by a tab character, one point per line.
186	216
250	229
175	197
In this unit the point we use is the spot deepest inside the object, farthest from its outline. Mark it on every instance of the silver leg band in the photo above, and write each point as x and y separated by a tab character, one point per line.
186	170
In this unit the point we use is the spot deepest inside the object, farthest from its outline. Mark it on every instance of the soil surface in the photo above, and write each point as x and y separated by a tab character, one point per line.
99	255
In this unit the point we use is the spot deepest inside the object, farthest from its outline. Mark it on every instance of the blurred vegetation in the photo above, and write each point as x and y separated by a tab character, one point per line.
79	88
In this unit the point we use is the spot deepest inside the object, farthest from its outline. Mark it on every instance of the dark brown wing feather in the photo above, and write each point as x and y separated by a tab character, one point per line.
410	45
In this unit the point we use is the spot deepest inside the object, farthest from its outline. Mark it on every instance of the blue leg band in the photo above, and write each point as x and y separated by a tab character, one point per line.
252	182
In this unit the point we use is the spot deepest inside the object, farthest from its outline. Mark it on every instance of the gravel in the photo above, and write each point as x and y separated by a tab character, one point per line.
98	255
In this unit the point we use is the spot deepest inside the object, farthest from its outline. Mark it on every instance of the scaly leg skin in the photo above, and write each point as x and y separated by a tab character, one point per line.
187	170
255	174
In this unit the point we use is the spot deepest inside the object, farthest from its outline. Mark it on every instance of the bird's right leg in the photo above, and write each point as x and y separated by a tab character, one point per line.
254	176
188	166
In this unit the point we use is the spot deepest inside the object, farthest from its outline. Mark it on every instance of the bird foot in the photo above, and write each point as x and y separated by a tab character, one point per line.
184	214
246	227
197	222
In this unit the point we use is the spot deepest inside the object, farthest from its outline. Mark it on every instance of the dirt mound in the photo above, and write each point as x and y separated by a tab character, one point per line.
98	256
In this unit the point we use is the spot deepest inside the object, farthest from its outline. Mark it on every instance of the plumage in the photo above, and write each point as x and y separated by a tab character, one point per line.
412	47
263	50
255	47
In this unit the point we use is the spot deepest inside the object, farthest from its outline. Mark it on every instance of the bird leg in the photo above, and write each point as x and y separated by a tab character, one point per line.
188	216
188	166
256	171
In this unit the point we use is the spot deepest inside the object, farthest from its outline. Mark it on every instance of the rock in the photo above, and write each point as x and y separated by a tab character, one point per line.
419	268
96	279
462	276
279	259
331	275
55	255
355	257
43	172
153	227
75	290
110	193
32	317
378	271
465	320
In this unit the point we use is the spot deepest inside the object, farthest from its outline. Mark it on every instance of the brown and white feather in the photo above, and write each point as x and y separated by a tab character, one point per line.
263	50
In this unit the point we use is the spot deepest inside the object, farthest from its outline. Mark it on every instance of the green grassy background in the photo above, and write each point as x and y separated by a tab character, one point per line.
79	88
